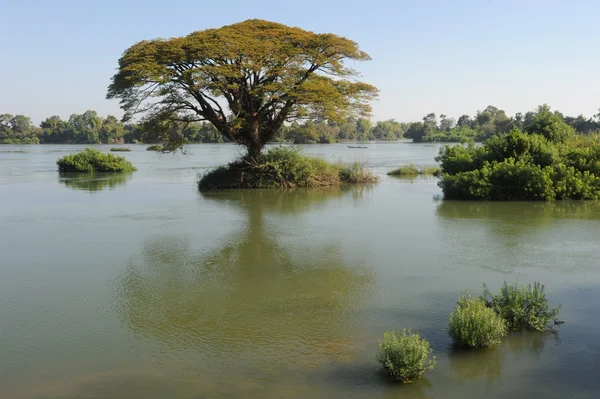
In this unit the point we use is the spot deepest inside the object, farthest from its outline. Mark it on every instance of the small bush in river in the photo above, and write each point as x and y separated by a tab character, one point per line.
285	167
475	325
522	307
405	356
120	149
91	160
413	170
154	147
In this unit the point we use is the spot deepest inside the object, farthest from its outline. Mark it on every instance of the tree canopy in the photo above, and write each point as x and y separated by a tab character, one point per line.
247	79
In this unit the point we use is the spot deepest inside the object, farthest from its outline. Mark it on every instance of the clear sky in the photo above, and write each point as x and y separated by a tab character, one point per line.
443	56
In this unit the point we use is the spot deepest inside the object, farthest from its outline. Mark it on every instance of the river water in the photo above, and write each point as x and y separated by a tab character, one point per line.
140	287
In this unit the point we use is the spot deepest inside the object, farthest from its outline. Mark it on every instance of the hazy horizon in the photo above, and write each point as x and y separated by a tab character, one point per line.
428	56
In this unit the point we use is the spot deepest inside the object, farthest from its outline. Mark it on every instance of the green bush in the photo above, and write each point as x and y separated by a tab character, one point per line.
154	147
405	356
413	170
23	140
356	173
522	307
91	160
520	166
284	167
475	325
120	149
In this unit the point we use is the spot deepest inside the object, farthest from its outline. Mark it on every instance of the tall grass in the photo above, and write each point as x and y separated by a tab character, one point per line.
413	170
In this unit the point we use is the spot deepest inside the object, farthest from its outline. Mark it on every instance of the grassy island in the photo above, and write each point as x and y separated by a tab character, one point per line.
285	167
414	170
91	160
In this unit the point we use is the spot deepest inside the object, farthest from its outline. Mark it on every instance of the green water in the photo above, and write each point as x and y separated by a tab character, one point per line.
138	286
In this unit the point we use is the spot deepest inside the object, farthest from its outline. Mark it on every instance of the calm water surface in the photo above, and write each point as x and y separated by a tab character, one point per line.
138	286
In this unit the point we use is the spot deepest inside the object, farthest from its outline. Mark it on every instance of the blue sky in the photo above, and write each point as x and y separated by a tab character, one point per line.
443	56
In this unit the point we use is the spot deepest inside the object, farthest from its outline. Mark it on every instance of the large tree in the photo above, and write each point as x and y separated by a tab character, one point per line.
247	79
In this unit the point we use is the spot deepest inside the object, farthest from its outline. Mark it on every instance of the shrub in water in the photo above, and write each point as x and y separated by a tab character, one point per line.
91	160
475	325
404	355
154	147
355	173
284	167
413	170
522	307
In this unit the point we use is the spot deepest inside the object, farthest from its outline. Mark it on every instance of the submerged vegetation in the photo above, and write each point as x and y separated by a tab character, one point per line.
475	325
91	160
154	147
413	170
523	307
285	167
120	149
545	162
404	355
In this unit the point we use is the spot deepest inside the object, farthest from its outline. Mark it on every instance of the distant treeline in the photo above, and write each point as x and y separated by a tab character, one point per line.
89	128
485	124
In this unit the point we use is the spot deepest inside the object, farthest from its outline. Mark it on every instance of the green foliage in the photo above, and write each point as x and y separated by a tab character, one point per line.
522	307
356	173
91	160
18	129
265	72
413	170
154	147
550	125
404	355
120	149
475	325
333	131
459	134
284	167
521	166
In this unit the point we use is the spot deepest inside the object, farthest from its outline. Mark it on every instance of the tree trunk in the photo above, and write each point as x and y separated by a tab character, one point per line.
254	149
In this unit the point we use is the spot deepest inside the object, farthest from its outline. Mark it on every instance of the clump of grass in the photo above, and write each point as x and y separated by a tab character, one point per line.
522	307
475	325
284	167
404	355
120	149
154	147
91	160
356	172
413	170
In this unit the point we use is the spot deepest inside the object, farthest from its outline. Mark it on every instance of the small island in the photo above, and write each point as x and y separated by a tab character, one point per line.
91	160
547	161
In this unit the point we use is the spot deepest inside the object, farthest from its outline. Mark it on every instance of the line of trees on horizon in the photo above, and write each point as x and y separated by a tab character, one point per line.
90	128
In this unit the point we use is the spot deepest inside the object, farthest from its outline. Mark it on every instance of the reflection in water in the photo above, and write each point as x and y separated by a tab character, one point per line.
285	201
531	343
503	236
524	213
93	182
487	364
250	300
469	365
415	390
